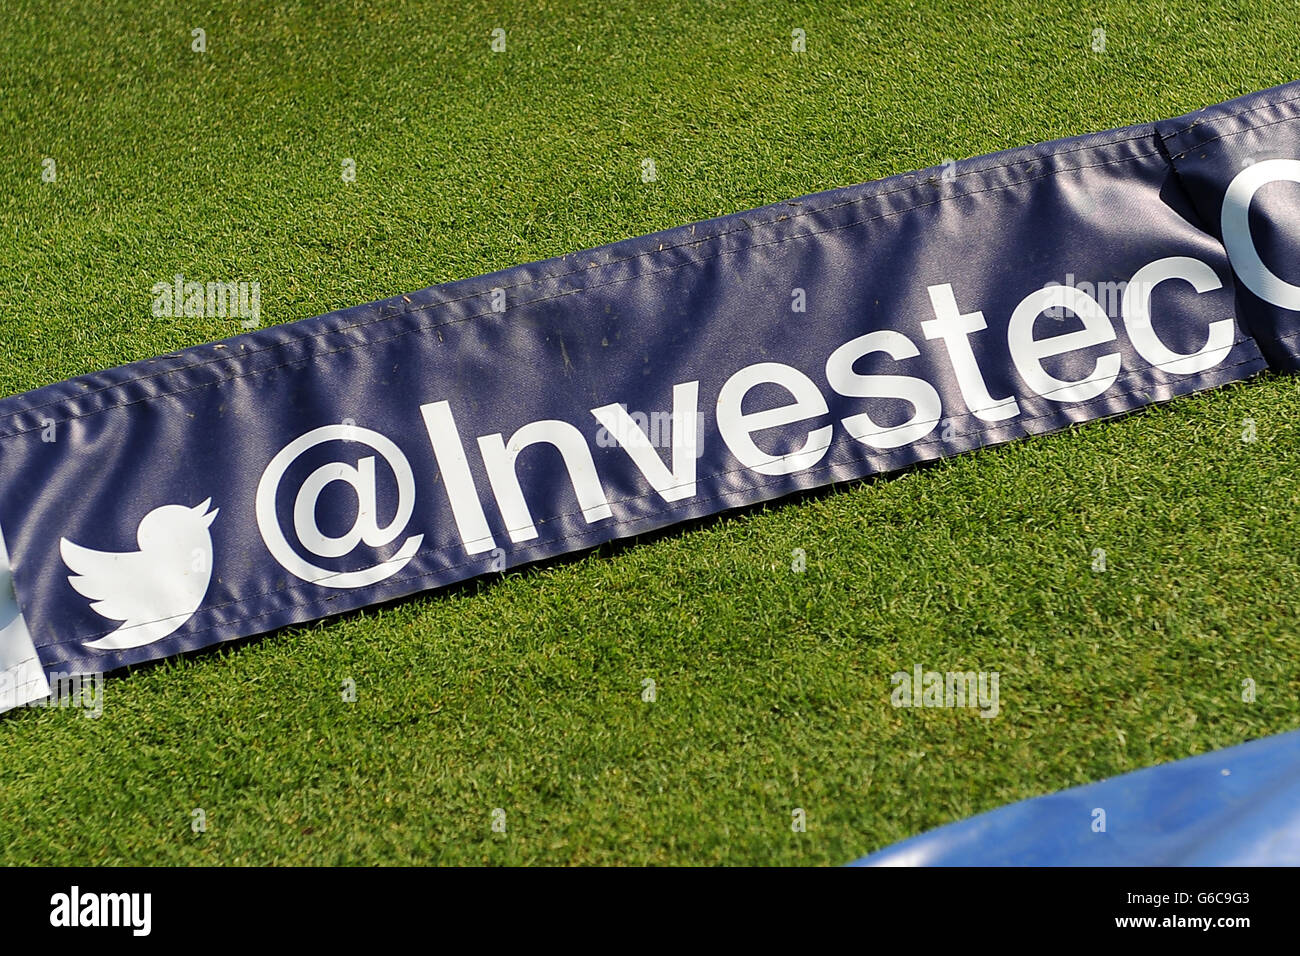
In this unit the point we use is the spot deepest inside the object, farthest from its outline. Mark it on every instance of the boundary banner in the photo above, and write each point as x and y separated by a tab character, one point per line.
312	468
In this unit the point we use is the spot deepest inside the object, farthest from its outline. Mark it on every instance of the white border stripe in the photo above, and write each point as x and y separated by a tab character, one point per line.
22	679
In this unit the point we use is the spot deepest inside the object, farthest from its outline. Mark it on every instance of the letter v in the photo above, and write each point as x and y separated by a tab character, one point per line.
680	482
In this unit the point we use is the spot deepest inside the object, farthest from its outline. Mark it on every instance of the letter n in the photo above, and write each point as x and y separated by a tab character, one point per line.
501	458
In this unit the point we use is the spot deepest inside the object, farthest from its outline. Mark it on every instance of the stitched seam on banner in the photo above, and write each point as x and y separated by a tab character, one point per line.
427	328
1222	116
20	665
1248	129
721	474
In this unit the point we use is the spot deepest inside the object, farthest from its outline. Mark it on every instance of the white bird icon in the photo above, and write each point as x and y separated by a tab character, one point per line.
155	590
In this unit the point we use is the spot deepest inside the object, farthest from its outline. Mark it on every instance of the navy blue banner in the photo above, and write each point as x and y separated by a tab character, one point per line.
307	469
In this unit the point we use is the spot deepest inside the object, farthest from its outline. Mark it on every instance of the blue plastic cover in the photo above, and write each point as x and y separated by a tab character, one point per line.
1233	807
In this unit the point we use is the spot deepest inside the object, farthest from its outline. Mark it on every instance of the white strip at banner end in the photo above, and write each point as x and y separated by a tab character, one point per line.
22	678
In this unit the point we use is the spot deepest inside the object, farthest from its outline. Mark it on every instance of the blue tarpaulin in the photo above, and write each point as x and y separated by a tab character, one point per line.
1233	807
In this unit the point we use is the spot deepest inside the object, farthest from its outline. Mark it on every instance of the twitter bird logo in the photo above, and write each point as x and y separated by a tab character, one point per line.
155	590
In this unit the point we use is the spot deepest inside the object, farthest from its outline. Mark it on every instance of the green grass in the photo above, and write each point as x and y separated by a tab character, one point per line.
525	693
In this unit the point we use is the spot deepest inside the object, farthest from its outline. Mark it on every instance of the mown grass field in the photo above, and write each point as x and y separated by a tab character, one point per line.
525	694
